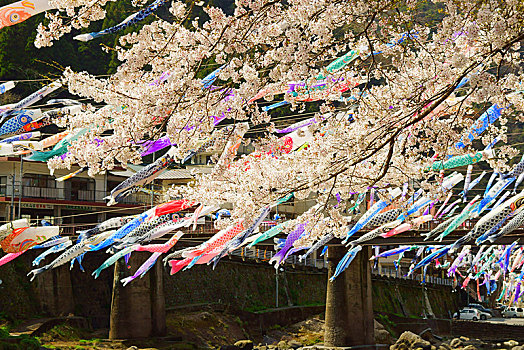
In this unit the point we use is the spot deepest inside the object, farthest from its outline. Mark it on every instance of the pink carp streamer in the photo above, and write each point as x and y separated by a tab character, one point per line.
9	257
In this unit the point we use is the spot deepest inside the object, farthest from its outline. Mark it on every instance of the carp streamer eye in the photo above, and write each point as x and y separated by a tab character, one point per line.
15	17
517	204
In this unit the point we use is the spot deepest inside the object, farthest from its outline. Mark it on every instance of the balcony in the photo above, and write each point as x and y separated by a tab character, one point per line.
53	193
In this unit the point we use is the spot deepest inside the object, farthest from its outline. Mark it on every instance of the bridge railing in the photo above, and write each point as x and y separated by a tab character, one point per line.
67	194
266	255
394	273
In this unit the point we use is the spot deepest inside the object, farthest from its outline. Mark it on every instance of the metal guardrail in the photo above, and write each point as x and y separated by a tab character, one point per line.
393	273
57	193
266	255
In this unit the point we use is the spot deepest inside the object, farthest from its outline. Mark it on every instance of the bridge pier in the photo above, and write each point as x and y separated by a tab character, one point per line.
349	307
158	300
55	291
138	309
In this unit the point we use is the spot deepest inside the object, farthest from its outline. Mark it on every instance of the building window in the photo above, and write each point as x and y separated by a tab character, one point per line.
49	219
111	184
81	189
37	180
3	185
82	184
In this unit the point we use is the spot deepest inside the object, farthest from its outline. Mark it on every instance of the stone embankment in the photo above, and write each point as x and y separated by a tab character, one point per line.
305	335
406	341
426	341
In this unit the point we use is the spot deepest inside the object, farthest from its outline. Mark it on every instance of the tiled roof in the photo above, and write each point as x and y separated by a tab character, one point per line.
125	173
173	174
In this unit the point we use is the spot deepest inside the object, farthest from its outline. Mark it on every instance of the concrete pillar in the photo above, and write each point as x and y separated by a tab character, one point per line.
138	309
58	214
100	188
349	308
158	301
60	188
130	305
56	291
336	326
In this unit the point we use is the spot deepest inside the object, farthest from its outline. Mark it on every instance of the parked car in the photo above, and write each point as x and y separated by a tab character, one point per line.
500	307
520	312
481	308
513	311
468	314
484	315
509	312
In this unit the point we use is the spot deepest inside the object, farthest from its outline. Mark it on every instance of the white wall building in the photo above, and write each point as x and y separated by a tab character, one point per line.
28	190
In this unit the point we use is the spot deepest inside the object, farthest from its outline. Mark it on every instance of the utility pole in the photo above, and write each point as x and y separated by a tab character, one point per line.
152	193
276	291
20	188
153	187
12	207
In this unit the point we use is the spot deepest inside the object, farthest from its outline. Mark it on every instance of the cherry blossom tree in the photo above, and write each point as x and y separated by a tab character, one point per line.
397	106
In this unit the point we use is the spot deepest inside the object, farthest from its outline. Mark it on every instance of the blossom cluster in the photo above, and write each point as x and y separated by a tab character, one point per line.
407	99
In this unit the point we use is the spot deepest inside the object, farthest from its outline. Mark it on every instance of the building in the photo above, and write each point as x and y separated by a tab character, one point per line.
27	190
